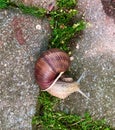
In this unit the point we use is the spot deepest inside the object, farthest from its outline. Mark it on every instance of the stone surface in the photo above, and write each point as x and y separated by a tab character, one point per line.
95	53
22	38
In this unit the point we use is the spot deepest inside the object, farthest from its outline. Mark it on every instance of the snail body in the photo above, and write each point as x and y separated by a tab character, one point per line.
63	89
49	68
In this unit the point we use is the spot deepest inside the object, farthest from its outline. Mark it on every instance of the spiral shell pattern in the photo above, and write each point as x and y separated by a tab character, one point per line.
49	65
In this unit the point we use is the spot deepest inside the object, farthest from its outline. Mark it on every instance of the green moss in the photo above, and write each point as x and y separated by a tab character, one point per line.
66	4
34	11
4	4
47	118
63	26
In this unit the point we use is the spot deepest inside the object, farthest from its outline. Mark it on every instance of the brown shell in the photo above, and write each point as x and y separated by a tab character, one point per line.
49	65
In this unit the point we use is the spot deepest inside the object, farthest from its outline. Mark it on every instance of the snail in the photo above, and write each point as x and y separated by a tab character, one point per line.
49	68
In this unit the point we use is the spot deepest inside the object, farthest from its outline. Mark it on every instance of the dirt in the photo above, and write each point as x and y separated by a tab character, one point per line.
109	7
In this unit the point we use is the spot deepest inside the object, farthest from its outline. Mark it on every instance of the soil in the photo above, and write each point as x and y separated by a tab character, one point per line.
109	7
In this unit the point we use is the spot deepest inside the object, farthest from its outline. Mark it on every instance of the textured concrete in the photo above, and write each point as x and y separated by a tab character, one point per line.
95	53
22	38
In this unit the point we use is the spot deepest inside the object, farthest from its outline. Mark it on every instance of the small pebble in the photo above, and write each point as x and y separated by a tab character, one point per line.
38	27
71	58
77	46
6	13
31	58
67	79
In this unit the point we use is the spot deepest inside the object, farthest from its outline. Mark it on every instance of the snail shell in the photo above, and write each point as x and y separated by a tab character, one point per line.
49	65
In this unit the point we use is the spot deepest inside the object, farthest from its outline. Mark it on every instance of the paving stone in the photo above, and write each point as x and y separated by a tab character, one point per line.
95	53
21	42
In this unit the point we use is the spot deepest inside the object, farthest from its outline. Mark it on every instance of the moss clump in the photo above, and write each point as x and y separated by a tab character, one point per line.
34	11
63	26
47	118
4	4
